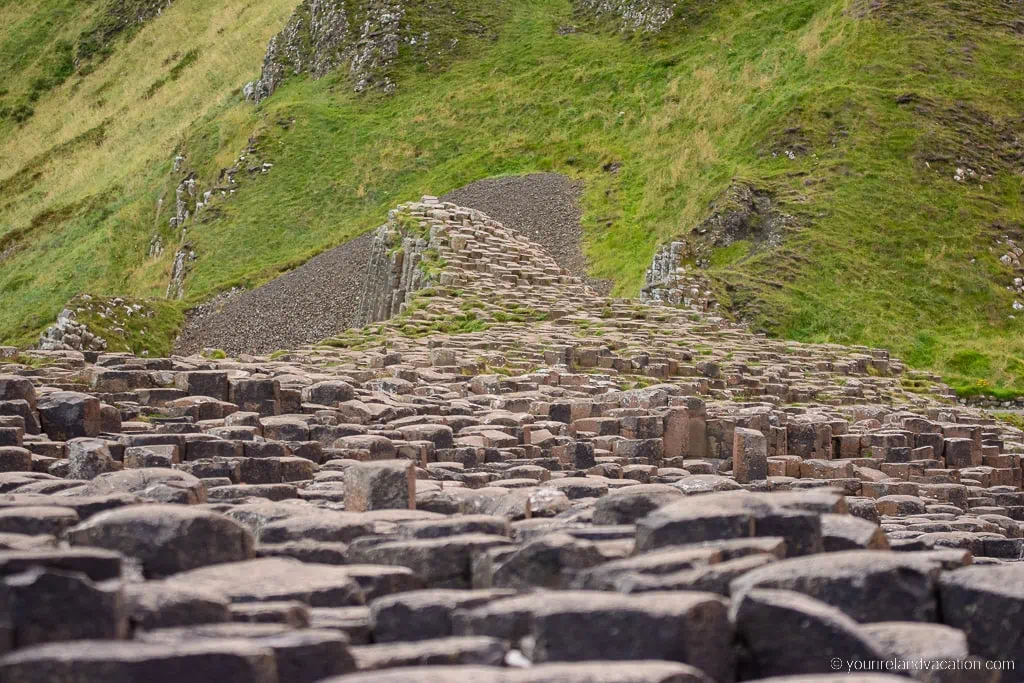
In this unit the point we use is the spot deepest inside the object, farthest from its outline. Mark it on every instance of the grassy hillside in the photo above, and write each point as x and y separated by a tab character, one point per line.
80	178
853	115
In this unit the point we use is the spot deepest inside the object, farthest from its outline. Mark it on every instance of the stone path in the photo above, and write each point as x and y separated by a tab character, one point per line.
505	478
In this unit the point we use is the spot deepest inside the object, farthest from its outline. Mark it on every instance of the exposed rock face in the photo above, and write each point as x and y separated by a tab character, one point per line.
397	267
70	335
365	37
323	35
669	281
744	218
190	200
97	323
691	515
645	16
183	259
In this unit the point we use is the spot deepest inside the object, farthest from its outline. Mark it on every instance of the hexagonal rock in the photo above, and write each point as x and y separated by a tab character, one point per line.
419	615
167	539
329	393
138	457
987	604
627	505
15	459
113	662
88	458
749	455
439	562
739	514
846	532
273	578
326	526
439	435
304	655
911	642
158	604
17	388
212	383
157	484
786	633
688	627
377	447
380	485
550	561
37	519
868	585
46	604
579	487
66	415
452	650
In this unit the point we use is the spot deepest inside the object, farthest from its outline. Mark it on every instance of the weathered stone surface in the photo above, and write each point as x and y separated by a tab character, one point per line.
382	485
729	515
749	455
89	458
987	604
15	459
157	484
626	506
419	615
438	651
44	604
167	538
158	604
867	585
911	643
578	625
277	579
67	415
551	561
785	633
112	662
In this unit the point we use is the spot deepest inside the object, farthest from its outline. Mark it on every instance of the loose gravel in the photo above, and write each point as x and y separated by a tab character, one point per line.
321	297
316	300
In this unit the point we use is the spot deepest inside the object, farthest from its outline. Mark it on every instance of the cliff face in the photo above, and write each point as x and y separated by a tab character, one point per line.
368	39
324	35
399	265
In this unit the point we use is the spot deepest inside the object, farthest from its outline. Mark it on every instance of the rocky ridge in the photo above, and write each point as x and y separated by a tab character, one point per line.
511	479
322	296
366	38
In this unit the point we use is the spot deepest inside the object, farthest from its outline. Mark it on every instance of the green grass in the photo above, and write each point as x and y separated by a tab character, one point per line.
729	255
142	326
804	99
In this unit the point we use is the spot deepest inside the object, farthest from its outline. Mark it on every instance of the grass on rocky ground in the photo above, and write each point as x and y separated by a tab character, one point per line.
854	115
143	326
81	178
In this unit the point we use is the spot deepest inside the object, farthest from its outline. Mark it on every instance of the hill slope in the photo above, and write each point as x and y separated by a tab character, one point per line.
887	135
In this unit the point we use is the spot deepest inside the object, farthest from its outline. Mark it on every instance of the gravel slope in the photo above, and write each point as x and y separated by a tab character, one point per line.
321	297
314	301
